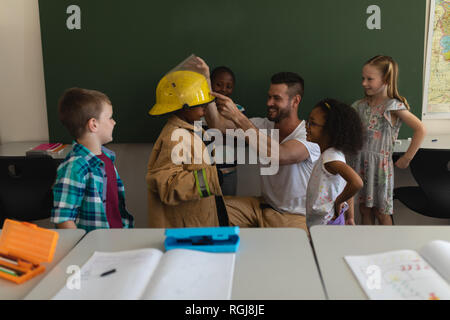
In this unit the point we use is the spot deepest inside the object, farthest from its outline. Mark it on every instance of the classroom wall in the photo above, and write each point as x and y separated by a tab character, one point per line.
22	88
23	113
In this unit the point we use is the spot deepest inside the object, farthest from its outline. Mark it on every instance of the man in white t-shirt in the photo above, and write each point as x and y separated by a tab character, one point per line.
284	193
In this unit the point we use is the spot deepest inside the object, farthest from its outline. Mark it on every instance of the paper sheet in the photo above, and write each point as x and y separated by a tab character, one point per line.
437	253
133	271
150	274
398	275
192	275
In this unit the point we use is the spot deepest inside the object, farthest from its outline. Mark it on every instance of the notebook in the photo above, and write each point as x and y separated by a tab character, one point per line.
47	148
178	274
405	274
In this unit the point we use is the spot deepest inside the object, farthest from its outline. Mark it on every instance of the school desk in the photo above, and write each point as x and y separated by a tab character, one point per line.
20	149
270	263
332	243
441	141
68	238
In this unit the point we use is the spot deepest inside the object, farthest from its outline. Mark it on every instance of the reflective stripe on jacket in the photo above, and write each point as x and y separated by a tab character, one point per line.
181	194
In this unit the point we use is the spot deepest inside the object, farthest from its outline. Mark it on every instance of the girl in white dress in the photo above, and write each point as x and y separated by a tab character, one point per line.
337	129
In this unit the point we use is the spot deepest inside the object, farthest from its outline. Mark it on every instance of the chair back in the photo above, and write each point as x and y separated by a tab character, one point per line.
26	187
430	168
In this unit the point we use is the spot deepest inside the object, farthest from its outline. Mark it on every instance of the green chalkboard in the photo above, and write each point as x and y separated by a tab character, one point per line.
124	47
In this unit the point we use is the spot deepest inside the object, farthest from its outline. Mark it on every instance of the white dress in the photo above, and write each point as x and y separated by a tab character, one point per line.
323	189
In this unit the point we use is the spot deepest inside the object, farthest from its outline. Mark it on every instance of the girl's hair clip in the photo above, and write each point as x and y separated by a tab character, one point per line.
327	105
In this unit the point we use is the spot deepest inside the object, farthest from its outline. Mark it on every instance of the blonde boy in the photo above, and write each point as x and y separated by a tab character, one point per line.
88	193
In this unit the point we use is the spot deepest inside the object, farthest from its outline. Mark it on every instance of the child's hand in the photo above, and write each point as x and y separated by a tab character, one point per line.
350	222
403	162
338	207
226	107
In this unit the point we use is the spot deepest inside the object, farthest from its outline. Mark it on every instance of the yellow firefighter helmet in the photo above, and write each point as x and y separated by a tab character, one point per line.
180	89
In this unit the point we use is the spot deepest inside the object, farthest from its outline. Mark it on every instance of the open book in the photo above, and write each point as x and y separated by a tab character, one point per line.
405	274
152	274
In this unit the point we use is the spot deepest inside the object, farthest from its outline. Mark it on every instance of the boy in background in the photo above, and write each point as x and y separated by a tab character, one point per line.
223	81
88	192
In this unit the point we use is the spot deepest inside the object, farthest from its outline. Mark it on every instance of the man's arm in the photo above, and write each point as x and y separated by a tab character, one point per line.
292	151
216	120
289	152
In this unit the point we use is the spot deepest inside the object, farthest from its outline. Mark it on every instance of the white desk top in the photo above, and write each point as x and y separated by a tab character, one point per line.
332	243
441	141
20	149
67	240
270	263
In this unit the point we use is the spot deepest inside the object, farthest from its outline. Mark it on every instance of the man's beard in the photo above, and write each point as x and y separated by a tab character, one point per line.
281	114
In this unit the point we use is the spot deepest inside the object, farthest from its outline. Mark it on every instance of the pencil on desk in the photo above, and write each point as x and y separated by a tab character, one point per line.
9	261
8	271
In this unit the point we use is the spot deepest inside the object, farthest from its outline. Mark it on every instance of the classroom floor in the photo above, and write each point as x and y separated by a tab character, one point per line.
132	162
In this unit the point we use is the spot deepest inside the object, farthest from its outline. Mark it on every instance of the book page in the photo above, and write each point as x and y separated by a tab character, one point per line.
192	275
437	254
133	272
398	275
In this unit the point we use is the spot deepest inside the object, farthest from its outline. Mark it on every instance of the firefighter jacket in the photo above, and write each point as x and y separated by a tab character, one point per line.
183	184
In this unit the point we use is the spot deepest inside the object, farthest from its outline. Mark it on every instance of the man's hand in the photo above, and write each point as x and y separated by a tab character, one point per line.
226	107
197	64
202	66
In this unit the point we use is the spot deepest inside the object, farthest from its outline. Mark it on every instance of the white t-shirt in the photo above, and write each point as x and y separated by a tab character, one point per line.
323	189
286	190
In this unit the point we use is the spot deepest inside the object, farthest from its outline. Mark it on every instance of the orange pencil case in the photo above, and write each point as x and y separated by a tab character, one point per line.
23	247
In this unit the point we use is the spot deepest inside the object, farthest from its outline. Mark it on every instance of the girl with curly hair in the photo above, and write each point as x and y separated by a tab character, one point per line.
337	129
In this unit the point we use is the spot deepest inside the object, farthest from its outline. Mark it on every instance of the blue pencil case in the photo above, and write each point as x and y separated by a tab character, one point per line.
210	239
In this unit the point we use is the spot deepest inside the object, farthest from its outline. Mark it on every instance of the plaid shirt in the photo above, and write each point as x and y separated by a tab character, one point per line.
80	191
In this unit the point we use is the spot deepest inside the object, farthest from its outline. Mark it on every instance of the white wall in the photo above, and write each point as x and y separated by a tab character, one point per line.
23	113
